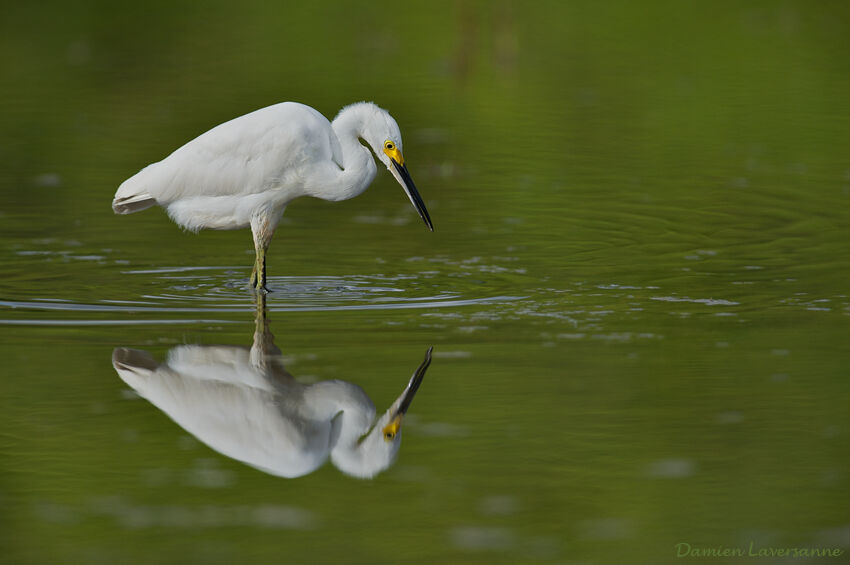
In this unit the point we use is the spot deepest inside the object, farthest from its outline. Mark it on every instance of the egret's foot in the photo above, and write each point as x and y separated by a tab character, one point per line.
258	287
258	273
258	284
259	290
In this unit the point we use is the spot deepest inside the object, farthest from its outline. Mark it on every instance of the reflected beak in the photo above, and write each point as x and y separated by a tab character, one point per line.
403	403
400	173
414	383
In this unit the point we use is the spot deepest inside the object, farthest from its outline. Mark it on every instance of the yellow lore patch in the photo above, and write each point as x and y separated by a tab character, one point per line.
392	151
392	428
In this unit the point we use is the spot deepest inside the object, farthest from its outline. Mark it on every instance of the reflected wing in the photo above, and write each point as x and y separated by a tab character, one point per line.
257	426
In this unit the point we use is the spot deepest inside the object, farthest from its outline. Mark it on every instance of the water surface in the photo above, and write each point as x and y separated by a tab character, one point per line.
636	291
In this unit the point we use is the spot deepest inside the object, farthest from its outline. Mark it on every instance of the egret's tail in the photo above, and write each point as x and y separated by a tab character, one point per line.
135	367
134	360
132	195
133	203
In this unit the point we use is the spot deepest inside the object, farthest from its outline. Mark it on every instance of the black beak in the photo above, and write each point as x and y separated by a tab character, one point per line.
413	194
414	383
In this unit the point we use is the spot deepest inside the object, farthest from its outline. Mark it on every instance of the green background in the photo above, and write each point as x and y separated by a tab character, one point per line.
637	287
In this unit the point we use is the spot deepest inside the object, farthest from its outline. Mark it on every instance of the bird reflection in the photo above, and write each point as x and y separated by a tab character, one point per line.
244	404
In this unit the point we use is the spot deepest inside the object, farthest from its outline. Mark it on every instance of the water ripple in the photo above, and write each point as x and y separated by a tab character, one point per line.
428	302
215	290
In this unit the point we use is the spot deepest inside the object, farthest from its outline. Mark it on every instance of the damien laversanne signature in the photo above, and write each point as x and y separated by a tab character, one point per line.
684	549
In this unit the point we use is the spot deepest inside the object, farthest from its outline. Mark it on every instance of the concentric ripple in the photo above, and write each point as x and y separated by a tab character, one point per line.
201	291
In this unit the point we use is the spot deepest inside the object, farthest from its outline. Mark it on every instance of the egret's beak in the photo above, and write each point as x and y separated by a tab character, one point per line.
400	173
401	405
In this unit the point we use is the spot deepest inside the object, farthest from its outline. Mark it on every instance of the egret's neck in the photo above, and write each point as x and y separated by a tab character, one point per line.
355	446
360	449
360	456
357	162
343	403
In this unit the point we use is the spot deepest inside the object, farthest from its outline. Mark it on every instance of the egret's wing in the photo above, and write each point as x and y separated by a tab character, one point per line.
223	363
266	149
257	427
230	364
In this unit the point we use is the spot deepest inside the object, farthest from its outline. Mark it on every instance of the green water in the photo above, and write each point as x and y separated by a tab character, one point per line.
636	291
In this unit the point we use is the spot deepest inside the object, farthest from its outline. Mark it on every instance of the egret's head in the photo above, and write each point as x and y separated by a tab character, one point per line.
377	450
379	130
382	134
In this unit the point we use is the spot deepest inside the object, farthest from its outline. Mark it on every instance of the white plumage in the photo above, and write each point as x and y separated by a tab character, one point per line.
245	171
244	404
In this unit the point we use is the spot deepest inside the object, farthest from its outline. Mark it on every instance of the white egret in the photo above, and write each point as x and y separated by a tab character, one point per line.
244	404
244	172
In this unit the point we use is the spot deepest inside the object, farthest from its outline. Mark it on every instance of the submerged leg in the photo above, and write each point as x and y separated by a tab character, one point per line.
260	319
262	335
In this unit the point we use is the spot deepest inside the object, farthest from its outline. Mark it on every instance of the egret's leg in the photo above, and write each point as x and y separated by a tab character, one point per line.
261	326
254	271
262	227
258	273
260	319
261	270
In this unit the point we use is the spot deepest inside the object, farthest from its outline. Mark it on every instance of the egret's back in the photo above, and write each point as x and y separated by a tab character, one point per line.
219	178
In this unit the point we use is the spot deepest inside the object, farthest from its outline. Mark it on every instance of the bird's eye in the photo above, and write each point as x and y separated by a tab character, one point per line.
389	435
389	146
